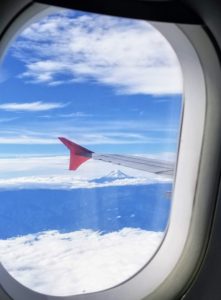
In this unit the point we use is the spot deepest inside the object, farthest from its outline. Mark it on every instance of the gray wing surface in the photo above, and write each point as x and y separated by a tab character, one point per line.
139	163
79	154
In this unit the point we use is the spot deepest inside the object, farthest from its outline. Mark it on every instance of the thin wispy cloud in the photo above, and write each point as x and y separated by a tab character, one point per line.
26	140
31	106
77	114
86	131
130	56
6	120
3	75
86	139
45	116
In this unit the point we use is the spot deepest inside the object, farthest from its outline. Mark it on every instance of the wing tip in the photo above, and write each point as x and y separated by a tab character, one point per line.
78	154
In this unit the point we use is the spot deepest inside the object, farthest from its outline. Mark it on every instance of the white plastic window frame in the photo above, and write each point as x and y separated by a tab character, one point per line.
180	253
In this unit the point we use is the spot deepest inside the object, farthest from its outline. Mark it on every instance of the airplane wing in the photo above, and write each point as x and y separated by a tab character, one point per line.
79	154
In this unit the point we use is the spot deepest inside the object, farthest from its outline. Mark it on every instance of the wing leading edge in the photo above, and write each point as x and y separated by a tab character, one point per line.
79	154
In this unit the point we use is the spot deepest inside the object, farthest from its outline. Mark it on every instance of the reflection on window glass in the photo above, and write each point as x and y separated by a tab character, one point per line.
110	85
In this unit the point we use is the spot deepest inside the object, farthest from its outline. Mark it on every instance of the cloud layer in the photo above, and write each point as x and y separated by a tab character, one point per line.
78	262
71	182
69	47
89	132
31	106
52	172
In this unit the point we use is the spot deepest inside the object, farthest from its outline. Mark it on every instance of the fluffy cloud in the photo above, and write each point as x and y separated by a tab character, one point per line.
52	172
72	182
78	262
129	55
31	106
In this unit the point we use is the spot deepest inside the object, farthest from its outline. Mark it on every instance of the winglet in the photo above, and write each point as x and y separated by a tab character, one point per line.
78	154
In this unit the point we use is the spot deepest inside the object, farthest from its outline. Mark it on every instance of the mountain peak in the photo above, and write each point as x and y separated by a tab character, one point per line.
117	174
112	176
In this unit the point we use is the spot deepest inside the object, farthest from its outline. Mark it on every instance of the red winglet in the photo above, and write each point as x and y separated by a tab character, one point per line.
78	154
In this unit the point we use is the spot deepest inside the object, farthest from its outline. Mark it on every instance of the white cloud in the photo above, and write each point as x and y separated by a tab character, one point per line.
31	106
129	55
52	172
73	182
26	140
77	262
82	137
77	114
33	163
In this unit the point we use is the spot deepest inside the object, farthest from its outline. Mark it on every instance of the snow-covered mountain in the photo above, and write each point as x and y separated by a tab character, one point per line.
112	176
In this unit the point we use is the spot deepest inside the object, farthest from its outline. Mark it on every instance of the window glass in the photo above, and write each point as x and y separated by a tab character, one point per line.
113	86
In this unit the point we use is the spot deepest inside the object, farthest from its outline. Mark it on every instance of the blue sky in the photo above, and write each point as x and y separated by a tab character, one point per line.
113	85
110	84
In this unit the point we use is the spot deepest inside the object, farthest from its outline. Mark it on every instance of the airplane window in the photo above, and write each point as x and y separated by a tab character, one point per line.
90	111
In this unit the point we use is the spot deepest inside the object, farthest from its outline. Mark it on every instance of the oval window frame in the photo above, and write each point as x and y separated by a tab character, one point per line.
192	205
